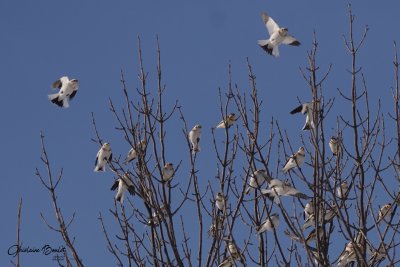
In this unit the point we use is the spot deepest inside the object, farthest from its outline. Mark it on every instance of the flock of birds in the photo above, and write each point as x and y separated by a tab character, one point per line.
276	188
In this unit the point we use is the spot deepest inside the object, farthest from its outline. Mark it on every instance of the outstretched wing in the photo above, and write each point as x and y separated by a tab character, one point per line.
115	185
271	25
290	40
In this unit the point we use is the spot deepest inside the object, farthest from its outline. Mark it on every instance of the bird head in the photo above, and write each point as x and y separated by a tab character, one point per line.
197	127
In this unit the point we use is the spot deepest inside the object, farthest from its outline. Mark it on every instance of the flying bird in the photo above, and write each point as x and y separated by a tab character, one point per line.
334	145
269	224
123	183
277	36
194	138
295	160
68	89
167	172
132	154
227	122
278	189
307	109
103	156
220	202
257	179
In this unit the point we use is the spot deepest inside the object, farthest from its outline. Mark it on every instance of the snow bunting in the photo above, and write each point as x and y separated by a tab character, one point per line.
295	160
167	172
132	154
227	122
123	183
68	89
103	156
257	179
269	223
277	36
194	138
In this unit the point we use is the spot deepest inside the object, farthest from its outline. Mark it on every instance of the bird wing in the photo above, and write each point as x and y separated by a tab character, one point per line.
72	95
290	40
57	84
271	25
115	185
297	109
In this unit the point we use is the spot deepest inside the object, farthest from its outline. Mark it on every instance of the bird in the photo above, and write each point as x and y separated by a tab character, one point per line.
227	122
277	189
158	216
277	36
376	256
123	183
334	145
270	223
194	138
295	160
103	156
132	154
306	108
257	179
233	251
385	212
348	255
342	190
309	209
310	221
167	172
68	89
314	234
220	202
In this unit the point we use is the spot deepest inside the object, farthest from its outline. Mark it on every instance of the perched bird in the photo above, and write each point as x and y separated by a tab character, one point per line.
310	221
257	179
306	108
227	122
103	156
194	138
330	212
295	160
342	190
269	224
167	172
68	89
377	255
314	234
309	209
277	36
385	213
348	255
334	145
158	216
132	154
277	189
215	226
233	251
220	202
123	183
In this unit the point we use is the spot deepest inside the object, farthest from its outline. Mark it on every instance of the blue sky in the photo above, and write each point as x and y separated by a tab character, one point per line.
94	40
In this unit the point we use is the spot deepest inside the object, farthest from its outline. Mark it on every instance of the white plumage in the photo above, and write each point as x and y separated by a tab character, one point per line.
68	89
103	156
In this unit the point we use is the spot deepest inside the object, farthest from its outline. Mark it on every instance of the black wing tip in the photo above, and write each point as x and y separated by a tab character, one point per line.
306	127
118	199
297	109
57	102
131	190
114	186
295	43
267	49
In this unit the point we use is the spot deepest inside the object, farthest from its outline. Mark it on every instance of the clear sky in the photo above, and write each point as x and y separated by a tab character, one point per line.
94	40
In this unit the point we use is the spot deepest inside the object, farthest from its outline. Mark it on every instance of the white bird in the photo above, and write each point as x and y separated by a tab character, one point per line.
167	172
278	189
306	108
220	202
257	179
103	156
385	213
132	154
342	190
158	215
277	36
295	160
377	255
309	209
334	145
227	122
348	255
123	183
68	89
233	251
269	224
194	138
310	221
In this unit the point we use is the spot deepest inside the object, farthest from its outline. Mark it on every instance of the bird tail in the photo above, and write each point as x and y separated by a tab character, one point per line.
54	99
275	51
99	169
119	198
65	102
196	148
248	190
